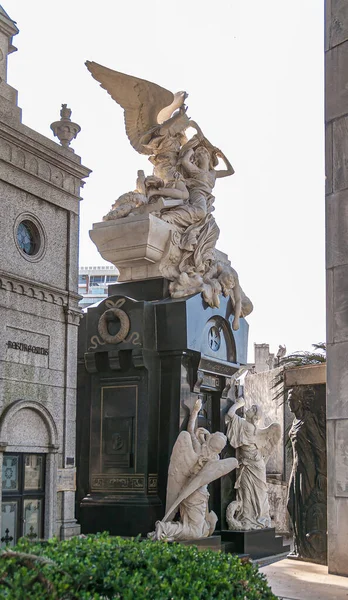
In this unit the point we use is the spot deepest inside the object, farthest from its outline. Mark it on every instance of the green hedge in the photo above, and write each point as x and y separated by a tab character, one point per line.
101	567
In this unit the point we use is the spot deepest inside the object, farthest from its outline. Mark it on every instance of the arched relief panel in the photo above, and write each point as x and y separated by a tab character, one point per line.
33	166
57	177
6	152
27	424
18	158
218	341
44	170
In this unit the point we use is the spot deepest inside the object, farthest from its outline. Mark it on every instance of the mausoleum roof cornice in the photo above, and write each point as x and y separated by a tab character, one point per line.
44	148
9	28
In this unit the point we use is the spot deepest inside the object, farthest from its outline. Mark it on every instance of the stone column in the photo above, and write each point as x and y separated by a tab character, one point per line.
337	280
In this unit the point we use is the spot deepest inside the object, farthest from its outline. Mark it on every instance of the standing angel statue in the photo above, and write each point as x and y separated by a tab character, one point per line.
194	463
254	446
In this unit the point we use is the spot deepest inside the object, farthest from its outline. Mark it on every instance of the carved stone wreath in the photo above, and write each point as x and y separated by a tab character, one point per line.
103	326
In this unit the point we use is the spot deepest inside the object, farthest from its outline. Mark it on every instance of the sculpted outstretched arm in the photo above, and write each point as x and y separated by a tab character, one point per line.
223	172
192	424
165	127
178	192
240	402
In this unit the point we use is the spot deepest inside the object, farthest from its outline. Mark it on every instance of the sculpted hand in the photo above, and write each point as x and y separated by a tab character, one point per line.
197	406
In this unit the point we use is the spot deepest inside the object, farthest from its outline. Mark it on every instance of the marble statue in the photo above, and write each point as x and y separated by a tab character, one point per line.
254	446
194	464
183	178
307	504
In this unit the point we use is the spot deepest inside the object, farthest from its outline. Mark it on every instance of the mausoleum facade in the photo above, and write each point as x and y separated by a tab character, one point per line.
40	193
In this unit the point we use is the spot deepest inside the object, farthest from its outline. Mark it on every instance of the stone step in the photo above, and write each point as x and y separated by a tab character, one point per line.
258	543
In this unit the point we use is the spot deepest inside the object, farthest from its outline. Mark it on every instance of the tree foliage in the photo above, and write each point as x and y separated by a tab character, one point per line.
299	359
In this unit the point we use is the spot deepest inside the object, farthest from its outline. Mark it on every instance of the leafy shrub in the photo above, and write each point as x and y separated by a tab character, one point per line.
101	567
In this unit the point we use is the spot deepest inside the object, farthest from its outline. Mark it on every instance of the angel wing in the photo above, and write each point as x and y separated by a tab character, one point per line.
211	471
143	102
267	438
182	461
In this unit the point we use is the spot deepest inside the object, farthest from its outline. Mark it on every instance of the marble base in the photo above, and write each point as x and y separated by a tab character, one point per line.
69	530
258	543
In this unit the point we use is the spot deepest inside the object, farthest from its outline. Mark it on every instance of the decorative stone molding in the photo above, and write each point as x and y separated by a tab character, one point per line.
73	316
19	285
41	161
124	326
10	411
64	129
90	363
119	483
114	360
40	168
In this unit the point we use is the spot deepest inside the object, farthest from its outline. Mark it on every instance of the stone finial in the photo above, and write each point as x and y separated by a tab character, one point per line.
65	130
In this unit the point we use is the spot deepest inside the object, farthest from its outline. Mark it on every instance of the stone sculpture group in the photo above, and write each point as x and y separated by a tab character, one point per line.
179	191
179	194
195	463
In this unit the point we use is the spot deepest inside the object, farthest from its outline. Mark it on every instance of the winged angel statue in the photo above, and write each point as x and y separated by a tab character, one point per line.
194	464
179	191
254	446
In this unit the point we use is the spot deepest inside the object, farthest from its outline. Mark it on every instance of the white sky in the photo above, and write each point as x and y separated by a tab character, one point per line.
254	74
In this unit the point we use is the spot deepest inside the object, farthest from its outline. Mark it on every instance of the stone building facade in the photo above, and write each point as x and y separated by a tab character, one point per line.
40	193
337	280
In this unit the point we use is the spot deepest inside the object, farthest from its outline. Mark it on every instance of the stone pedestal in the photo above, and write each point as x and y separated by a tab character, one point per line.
258	543
134	394
134	244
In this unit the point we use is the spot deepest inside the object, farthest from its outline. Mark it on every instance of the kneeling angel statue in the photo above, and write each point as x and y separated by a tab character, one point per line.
194	463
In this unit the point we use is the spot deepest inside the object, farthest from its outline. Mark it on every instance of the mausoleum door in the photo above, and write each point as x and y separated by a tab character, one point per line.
23	495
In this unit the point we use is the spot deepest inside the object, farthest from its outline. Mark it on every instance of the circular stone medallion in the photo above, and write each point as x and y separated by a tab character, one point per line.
110	315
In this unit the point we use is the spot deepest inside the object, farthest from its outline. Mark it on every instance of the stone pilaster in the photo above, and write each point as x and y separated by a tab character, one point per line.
337	280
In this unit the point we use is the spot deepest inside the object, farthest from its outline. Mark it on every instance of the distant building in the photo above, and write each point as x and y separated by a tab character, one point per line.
94	283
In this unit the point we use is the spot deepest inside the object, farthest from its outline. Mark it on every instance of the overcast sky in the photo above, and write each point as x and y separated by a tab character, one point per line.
254	74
